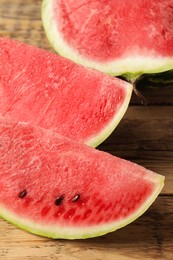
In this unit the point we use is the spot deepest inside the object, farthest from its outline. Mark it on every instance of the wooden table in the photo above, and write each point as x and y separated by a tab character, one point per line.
145	136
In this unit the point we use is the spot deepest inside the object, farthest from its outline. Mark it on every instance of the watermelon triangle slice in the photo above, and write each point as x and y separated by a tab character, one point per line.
55	187
45	89
117	37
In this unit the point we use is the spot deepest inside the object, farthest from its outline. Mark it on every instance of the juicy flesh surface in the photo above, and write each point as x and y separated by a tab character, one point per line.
107	29
47	166
52	92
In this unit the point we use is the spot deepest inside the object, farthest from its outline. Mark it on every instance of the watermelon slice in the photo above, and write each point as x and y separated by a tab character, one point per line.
52	92
55	187
116	37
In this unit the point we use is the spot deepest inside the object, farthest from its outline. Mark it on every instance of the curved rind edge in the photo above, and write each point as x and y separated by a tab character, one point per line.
131	65
110	127
60	232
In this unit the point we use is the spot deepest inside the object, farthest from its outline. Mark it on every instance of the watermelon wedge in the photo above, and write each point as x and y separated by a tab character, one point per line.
45	89
55	187
128	37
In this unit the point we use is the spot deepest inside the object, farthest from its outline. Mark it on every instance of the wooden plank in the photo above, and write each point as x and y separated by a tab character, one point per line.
145	136
21	20
150	237
143	128
160	95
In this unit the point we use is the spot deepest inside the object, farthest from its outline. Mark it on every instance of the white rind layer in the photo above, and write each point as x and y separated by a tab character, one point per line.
137	62
65	50
109	128
65	232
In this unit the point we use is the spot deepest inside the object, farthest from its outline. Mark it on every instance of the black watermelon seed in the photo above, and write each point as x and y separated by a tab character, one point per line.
76	197
22	194
59	200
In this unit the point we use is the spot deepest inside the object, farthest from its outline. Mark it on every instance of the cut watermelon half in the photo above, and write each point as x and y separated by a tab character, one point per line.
55	187
50	91
117	37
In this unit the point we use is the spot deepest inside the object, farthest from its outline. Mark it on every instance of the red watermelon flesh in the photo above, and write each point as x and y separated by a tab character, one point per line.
135	35
52	92
52	186
118	26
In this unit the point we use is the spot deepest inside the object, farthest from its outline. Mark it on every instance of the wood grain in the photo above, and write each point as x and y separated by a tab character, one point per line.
155	96
21	20
149	237
144	136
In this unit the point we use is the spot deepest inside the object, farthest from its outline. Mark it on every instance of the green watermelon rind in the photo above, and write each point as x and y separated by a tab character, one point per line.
96	135
129	66
163	79
60	232
109	128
